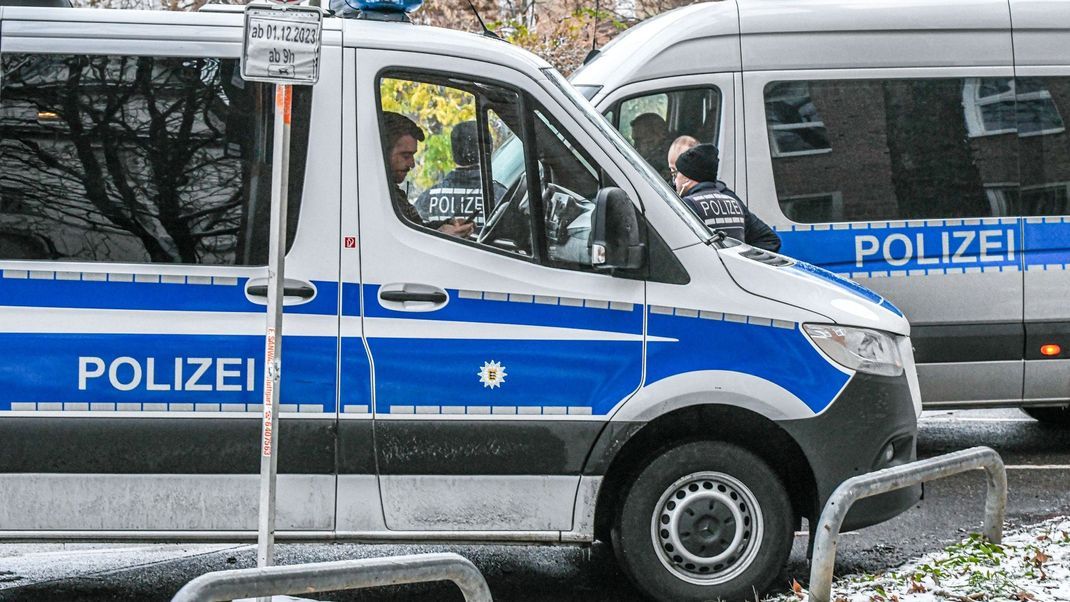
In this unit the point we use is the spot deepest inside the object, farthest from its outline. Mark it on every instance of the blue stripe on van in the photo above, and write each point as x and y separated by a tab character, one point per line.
522	312
827	276
44	368
1047	243
440	375
91	294
779	355
951	246
431	373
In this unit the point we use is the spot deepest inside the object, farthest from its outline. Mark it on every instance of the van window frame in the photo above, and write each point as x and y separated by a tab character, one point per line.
615	108
407	73
528	105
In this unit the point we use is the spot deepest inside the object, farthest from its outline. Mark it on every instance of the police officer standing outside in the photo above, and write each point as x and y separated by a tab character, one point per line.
695	178
400	142
458	197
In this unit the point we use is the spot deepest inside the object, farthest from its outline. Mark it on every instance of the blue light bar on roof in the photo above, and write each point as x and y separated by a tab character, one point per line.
386	5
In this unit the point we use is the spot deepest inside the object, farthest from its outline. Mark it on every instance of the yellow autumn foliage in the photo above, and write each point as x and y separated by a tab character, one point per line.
436	109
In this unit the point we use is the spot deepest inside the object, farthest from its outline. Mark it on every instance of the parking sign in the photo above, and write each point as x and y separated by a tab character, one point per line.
282	44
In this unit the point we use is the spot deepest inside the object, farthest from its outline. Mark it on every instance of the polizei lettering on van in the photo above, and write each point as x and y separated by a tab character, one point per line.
952	247
182	374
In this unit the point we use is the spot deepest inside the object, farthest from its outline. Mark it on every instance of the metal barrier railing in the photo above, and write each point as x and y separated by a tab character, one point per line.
338	575
827	533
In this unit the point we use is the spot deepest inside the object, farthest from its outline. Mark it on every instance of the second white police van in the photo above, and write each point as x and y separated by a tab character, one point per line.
922	152
501	324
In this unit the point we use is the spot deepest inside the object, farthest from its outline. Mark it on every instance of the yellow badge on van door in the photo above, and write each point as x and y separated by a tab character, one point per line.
492	374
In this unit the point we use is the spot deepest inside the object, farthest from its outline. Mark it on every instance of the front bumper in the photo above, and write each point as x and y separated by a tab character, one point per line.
849	437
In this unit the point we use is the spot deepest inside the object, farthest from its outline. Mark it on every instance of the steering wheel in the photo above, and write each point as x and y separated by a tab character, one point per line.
551	189
511	203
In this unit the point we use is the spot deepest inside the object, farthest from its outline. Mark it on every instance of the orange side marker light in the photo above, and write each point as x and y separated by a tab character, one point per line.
1050	350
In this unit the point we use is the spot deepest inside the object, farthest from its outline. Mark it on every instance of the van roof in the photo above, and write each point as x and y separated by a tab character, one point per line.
799	34
700	38
52	22
422	38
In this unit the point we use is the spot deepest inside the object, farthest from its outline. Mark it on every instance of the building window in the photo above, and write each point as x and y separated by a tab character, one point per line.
1022	106
814	208
795	126
1049	199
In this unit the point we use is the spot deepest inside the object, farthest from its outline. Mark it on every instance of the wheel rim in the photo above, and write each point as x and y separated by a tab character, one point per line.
707	528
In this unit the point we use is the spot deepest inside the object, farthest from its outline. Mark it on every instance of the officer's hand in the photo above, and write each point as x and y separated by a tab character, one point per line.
457	227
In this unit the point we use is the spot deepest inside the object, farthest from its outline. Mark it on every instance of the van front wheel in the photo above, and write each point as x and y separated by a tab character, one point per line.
704	520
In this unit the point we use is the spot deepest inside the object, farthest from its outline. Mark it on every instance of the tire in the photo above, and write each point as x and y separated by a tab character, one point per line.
702	521
1058	416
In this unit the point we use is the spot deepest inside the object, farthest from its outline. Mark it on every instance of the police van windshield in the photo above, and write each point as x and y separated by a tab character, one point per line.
606	129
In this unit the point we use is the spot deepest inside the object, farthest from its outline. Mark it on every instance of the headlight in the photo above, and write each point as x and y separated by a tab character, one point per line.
860	349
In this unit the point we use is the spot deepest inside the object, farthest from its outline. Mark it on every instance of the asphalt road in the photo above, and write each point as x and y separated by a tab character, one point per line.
1037	458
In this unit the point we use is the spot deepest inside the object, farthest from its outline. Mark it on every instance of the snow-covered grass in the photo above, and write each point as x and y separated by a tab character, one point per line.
1031	565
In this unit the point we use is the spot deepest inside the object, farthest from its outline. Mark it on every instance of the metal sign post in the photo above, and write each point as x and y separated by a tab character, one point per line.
282	45
273	341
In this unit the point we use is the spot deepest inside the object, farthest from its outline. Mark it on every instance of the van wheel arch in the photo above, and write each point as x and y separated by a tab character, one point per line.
627	455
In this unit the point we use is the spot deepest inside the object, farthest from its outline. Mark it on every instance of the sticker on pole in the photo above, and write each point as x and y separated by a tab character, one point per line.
282	44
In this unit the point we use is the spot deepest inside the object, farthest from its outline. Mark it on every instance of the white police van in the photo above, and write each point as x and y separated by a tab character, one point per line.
923	153
592	363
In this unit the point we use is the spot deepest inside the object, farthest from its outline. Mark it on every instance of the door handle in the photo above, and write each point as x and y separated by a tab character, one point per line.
410	296
402	296
303	291
294	292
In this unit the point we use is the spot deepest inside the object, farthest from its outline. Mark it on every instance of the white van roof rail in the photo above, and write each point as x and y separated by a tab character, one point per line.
221	8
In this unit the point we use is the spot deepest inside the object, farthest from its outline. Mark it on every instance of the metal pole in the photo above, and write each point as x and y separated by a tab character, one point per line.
338	575
280	165
826	532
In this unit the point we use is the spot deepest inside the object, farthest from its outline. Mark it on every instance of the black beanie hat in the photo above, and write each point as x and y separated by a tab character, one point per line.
699	163
464	142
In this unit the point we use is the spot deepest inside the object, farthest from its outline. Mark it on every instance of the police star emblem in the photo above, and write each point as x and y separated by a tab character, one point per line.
492	374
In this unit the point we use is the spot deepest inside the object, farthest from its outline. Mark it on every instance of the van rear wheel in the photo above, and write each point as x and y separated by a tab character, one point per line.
704	520
1051	415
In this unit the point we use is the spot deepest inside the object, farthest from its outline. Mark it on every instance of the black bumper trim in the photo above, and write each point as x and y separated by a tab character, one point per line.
870	413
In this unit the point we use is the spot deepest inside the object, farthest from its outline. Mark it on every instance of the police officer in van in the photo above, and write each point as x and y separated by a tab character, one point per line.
458	197
695	178
650	137
401	137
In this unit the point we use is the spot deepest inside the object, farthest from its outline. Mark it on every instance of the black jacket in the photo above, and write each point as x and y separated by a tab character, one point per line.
459	194
720	209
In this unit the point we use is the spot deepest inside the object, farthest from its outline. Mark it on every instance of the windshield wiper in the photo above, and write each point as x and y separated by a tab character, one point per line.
717	237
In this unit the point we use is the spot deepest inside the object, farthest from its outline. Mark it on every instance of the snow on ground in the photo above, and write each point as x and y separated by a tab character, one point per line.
1031	565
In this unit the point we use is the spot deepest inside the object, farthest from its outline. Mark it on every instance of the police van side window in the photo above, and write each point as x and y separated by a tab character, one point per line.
1042	105
651	122
455	160
484	165
139	159
942	148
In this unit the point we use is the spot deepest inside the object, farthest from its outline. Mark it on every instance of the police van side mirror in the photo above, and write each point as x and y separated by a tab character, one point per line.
615	242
